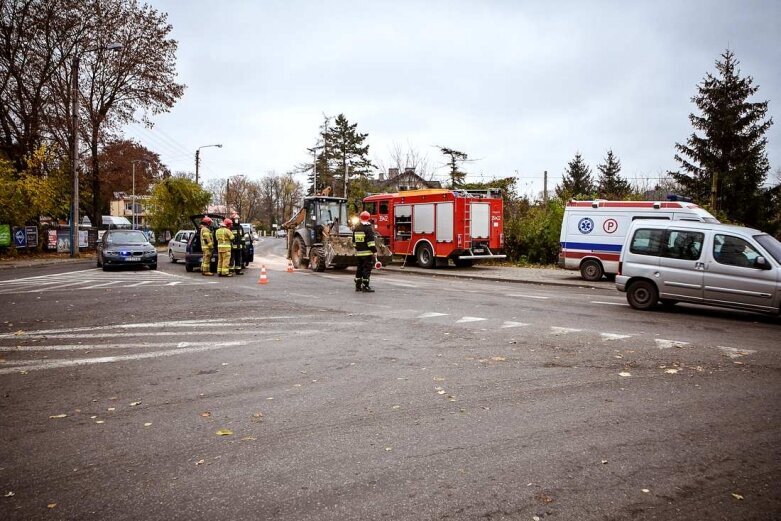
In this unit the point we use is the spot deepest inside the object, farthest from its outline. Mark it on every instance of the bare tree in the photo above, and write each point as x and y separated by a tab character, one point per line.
402	158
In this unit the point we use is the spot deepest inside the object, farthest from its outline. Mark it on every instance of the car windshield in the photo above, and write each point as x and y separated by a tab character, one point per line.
772	246
127	237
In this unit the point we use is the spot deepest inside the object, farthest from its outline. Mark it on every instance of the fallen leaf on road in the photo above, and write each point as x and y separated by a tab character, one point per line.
133	404
199	462
737	496
112	409
441	392
22	372
51	505
671	371
206	414
498	358
388	449
58	416
439	379
396	407
249	438
270	398
147	424
646	491
257	415
604	462
19	333
92	417
624	373
224	432
9	494
100	421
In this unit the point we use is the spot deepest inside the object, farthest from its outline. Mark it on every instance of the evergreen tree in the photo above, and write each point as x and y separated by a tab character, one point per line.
346	153
727	165
456	175
577	181
610	184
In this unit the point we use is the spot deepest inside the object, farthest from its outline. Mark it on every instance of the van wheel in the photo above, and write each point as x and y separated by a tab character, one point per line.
642	294
425	257
591	270
188	267
171	256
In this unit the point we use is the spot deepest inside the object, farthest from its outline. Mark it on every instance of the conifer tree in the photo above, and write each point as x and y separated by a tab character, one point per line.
726	164
610	184
345	150
577	180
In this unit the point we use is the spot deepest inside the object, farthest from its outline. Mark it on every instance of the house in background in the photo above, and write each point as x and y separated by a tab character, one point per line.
122	206
396	181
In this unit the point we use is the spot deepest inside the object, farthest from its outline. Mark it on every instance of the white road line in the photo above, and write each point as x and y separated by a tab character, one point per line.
55	364
97	347
55	288
463	320
514	324
609	303
400	284
138	284
104	284
564	330
206	322
733	352
433	314
613	336
521	295
174	283
661	343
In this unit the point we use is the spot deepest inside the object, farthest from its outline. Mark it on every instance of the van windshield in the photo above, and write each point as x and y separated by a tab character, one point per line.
772	246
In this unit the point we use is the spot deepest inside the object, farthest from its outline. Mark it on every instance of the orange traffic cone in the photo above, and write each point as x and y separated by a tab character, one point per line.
263	276
290	268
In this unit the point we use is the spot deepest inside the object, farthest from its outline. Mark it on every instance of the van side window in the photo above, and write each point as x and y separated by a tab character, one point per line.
733	251
646	242
684	245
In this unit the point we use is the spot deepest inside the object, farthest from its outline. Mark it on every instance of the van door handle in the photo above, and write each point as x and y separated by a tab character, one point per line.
699	265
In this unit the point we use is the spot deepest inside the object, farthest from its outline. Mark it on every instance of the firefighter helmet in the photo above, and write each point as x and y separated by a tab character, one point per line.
206	220
227	222
365	215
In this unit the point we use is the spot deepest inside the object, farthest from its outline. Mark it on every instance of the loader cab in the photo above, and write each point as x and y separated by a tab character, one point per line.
326	213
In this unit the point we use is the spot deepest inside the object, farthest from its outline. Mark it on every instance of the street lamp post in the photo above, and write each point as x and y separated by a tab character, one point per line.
198	158
74	224
135	221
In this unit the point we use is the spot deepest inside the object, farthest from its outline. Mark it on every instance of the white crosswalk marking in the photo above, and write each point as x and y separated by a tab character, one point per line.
432	314
95	279
510	323
463	320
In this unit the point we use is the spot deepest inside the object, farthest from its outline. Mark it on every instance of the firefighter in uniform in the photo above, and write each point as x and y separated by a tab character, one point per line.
207	246
365	249
237	246
224	240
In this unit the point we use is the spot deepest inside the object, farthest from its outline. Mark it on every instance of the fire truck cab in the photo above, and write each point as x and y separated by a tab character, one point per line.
436	225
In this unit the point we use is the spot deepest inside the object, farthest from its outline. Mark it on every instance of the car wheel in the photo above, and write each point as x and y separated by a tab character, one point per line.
171	256
317	259
297	249
591	270
425	257
642	294
188	268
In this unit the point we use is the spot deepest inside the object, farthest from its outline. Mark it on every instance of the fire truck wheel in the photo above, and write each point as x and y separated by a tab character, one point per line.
317	259
591	270
425	257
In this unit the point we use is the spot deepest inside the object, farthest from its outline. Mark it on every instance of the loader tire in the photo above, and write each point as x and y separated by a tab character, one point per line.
297	252
317	259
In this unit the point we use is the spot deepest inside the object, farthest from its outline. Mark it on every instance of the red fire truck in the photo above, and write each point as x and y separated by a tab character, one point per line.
434	225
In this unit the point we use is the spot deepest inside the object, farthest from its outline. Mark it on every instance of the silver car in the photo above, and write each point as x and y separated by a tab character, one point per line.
701	263
177	246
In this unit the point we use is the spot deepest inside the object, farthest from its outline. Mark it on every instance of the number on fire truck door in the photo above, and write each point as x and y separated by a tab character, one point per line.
444	222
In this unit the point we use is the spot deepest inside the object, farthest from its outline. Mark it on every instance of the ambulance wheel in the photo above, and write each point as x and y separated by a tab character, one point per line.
642	294
317	259
591	270
425	257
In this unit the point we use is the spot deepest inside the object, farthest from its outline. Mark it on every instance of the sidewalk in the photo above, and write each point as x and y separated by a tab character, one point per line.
544	276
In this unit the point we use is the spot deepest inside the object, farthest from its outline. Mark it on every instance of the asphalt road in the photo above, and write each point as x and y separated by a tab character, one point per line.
434	398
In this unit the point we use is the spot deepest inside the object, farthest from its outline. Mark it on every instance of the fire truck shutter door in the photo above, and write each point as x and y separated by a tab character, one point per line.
445	222
481	220
423	218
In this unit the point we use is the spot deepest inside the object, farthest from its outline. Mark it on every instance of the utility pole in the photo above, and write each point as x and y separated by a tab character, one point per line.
197	163
545	187
714	189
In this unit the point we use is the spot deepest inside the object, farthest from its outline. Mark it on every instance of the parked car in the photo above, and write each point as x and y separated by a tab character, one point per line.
250	236
177	246
701	263
125	248
193	253
280	233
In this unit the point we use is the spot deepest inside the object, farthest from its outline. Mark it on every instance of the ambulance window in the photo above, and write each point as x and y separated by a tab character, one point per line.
383	207
370	207
647	242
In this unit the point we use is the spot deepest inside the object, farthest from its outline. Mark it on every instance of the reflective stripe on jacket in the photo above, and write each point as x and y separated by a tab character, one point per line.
363	238
224	238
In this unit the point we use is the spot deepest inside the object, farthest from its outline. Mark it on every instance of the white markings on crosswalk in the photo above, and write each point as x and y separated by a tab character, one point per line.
734	352
93	279
613	336
523	295
608	303
509	323
432	314
661	343
564	330
464	320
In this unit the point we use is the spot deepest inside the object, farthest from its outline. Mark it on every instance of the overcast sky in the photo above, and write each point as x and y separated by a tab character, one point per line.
519	86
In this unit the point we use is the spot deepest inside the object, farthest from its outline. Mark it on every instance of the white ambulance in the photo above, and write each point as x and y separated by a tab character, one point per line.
593	232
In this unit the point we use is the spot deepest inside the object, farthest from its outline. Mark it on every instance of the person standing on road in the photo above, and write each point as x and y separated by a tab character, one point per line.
224	240
237	246
207	246
365	250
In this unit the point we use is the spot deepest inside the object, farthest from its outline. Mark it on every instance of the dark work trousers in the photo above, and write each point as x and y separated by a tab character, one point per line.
364	271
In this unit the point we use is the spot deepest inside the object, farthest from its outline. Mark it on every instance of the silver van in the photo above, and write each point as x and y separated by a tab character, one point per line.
701	263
